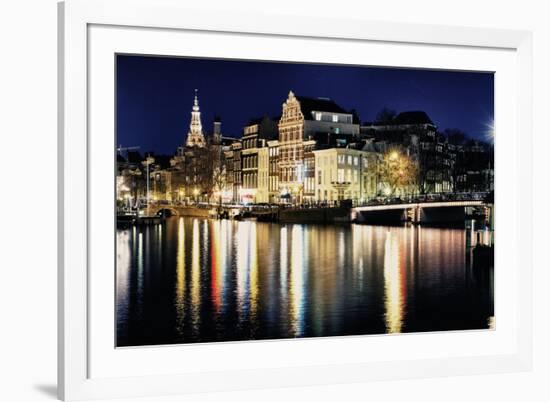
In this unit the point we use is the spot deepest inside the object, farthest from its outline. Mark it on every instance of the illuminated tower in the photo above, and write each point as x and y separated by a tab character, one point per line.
195	137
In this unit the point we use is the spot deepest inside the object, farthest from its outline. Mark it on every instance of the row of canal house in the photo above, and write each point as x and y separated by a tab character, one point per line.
316	151
311	153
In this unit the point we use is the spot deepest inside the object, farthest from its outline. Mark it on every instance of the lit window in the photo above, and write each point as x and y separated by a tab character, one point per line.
318	116
335	118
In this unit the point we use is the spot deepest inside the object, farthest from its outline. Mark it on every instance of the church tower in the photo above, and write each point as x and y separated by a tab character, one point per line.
195	137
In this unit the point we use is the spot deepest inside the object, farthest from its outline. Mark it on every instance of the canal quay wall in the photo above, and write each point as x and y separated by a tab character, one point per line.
283	215
448	216
315	215
194	212
171	210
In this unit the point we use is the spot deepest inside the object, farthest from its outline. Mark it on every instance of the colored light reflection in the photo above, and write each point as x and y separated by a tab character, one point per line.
393	285
140	273
296	287
215	265
243	259
283	266
195	277
180	278
253	255
124	260
253	280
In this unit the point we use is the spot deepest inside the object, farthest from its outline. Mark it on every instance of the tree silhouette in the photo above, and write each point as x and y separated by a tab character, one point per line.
455	136
385	116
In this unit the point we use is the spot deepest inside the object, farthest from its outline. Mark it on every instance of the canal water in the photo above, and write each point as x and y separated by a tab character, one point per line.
202	280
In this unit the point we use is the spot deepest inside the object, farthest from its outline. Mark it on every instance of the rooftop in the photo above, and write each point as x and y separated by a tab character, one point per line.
309	105
412	117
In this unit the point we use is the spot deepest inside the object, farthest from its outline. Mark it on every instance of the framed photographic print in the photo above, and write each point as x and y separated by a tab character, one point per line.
248	203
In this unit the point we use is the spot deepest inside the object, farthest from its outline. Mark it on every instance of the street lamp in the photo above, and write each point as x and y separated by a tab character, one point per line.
148	161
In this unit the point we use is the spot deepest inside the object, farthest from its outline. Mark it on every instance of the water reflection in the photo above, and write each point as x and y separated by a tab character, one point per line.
179	301
393	284
198	280
195	278
216	265
297	281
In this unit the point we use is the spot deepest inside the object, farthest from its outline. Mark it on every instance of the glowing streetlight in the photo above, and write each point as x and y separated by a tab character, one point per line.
490	131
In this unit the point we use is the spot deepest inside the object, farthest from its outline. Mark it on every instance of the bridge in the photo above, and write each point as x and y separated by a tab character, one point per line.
419	212
426	209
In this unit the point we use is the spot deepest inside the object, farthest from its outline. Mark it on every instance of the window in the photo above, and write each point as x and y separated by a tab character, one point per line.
320	177
318	116
356	161
349	159
337	130
340	175
335	118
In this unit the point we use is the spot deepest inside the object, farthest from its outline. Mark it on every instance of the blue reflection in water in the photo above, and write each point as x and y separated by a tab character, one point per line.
199	280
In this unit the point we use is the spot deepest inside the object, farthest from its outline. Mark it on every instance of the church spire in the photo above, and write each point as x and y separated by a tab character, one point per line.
195	137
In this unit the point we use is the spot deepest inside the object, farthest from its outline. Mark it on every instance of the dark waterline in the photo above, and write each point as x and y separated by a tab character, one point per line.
198	280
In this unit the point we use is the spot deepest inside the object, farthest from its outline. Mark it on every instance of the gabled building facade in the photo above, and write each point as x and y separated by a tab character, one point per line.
301	121
255	136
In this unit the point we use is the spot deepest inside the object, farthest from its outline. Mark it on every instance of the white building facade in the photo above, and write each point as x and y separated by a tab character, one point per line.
262	193
345	174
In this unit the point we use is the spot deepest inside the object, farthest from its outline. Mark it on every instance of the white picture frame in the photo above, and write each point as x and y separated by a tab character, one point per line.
79	310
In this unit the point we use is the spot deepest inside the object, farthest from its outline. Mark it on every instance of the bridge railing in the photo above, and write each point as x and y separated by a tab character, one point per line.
424	198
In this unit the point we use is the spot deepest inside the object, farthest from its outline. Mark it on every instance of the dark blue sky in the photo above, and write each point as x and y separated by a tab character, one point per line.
155	95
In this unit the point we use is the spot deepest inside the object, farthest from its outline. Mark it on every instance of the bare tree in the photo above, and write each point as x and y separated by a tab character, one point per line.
219	180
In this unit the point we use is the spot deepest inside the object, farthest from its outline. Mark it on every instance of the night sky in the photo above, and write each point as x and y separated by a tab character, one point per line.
155	95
